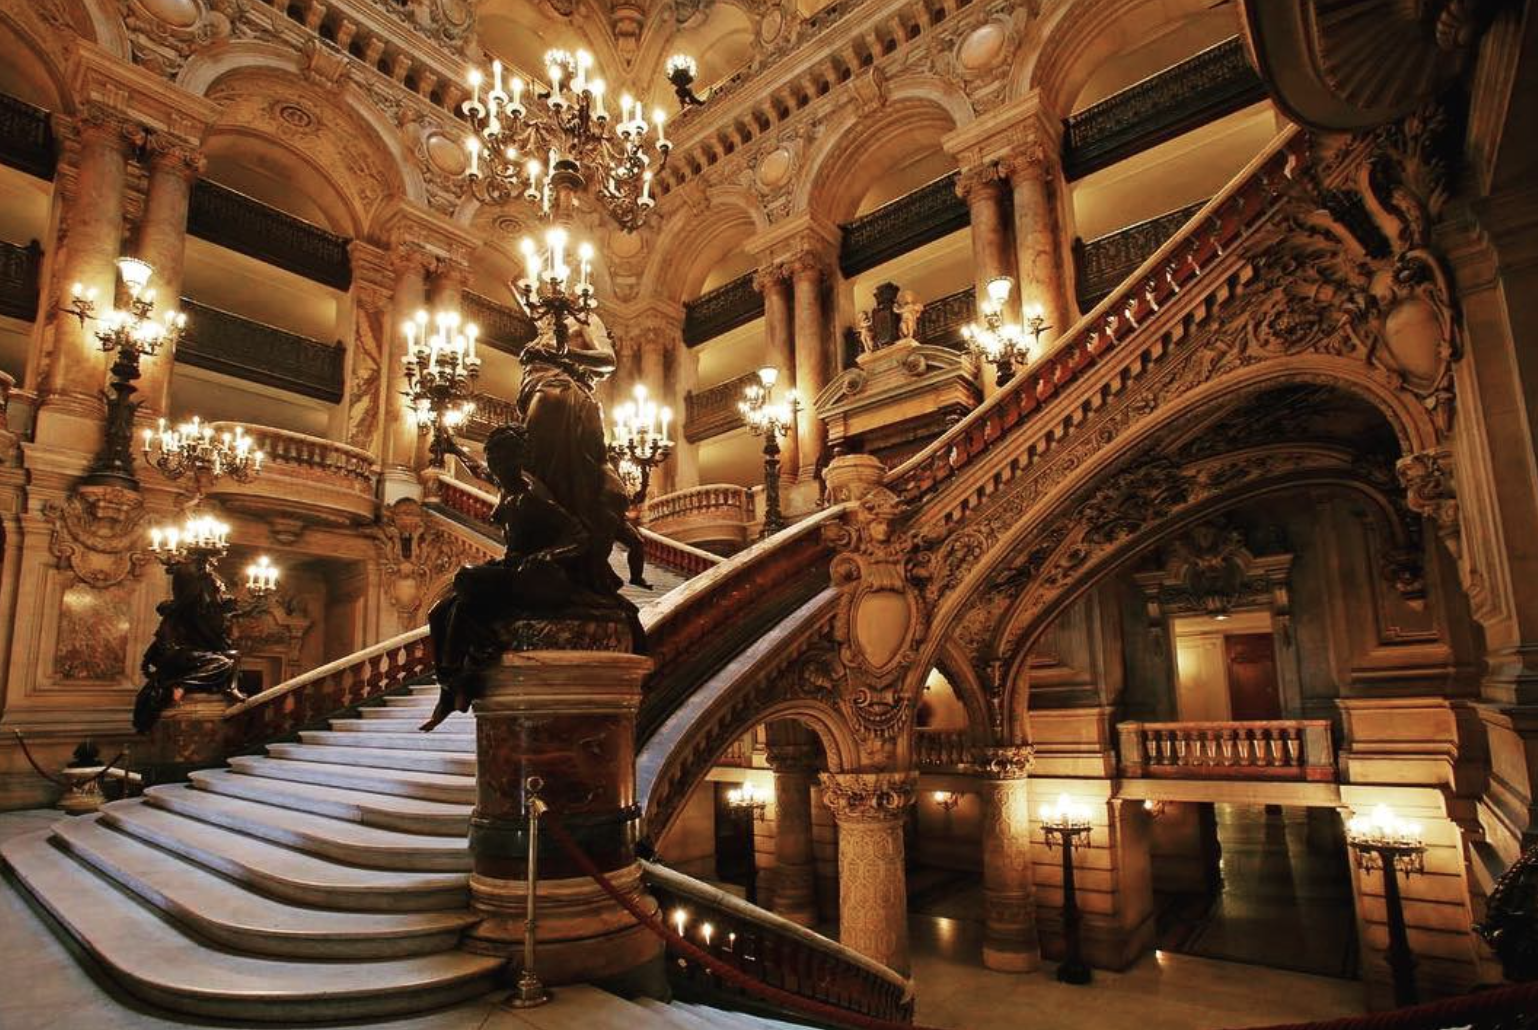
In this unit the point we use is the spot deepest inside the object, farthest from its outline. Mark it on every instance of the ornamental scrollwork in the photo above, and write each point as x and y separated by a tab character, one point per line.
98	534
868	797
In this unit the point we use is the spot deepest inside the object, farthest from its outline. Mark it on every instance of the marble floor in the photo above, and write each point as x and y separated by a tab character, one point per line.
1167	992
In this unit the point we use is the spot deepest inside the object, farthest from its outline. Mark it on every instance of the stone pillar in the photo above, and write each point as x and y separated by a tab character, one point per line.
399	477
92	244
1037	183
773	281
1010	944
372	298
795	894
870	809
984	189
811	361
173	167
446	287
536	706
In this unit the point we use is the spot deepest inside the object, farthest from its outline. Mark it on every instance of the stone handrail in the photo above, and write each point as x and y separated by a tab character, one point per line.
774	950
726	499
283	447
1283	749
1185	271
317	695
940	749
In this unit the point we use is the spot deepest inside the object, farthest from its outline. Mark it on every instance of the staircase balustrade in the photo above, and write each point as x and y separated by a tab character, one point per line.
299	452
1274	749
940	750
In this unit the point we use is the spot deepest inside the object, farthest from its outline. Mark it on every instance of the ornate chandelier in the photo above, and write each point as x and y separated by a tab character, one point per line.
193	448
261	577
548	291
532	140
770	419
441	369
637	440
199	537
1004	344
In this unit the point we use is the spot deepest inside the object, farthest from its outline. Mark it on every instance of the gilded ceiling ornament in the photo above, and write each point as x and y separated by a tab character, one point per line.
98	533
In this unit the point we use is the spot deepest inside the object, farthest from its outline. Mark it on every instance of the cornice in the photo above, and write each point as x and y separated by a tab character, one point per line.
794	238
96	76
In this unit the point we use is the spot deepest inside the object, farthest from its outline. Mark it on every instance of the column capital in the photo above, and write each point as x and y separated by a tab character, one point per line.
405	224
410	258
770	275
1020	138
796	241
981	182
373	275
792	758
869	797
178	155
102	125
1007	762
99	79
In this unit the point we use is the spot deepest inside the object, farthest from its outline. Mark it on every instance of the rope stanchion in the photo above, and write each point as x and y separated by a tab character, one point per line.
1486	1010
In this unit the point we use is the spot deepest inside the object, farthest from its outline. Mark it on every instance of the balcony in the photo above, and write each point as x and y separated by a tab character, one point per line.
909	222
26	138
1103	264
1275	749
503	327
721	310
941	750
714	411
19	270
304	480
233	220
1198	90
222	342
717	518
941	320
490	412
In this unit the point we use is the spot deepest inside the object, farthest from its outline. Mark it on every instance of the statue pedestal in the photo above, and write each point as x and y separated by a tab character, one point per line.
567	717
189	735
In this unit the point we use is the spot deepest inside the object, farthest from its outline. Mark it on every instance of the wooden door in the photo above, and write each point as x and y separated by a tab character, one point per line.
1252	692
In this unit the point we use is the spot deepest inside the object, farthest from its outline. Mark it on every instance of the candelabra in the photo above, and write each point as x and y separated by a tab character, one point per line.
638	441
132	332
441	369
947	800
770	419
1067	826
548	143
547	290
1383	841
1004	344
193	448
681	71
747	800
261	577
199	538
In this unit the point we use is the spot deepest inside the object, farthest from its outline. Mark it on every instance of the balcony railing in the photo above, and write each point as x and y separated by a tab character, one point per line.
222	342
721	310
490	412
26	138
940	750
19	270
906	223
1103	264
503	327
714	411
231	219
725	500
1274	749
313	455
770	950
941	320
1200	89
304	475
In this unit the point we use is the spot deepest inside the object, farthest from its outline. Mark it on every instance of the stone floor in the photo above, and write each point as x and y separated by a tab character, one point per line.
1166	992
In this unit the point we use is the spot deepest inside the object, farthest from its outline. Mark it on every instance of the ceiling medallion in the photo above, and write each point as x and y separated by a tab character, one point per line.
296	116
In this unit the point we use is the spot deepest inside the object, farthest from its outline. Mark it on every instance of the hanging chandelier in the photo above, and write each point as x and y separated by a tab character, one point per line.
1003	344
547	143
193	447
441	369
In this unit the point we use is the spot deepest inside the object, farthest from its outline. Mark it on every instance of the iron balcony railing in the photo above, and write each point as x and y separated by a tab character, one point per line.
223	342
231	219
721	310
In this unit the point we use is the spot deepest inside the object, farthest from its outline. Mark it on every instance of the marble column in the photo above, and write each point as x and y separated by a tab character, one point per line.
398	477
92	243
870	809
1036	182
808	272
174	166
774	282
1010	943
568	718
446	285
984	190
795	894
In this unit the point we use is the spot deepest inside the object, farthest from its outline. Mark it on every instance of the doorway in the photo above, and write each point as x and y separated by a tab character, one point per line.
1225	667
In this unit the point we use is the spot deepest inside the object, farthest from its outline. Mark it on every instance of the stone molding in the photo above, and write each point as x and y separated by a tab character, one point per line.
1005	762
869	797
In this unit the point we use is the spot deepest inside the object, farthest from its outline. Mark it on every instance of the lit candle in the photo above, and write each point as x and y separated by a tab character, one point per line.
471	332
585	253
475	87
517	104
667	416
624	111
496	78
531	261
658	117
597	89
646	187
680	920
474	146
155	535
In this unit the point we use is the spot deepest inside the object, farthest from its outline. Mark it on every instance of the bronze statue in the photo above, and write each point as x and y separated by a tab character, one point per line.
193	651
1510	925
562	509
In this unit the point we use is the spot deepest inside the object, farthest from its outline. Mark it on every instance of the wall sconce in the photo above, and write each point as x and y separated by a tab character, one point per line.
748	800
1155	809
947	799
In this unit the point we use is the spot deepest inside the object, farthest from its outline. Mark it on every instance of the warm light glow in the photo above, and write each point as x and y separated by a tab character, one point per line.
1067	812
999	290
1383	825
136	274
682	63
768	375
680	920
261	575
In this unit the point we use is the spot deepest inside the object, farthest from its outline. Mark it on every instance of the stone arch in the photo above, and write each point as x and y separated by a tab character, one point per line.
855	148
35	70
959	669
690	244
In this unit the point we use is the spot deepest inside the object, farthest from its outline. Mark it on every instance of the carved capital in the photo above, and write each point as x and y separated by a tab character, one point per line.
1010	762
175	154
373	278
1030	161
1431	492
809	265
770	275
409	259
981	183
100	125
792	758
869	797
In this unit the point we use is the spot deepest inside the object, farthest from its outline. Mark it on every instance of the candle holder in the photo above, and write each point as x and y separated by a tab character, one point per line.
549	292
441	369
637	441
947	800
193	448
261	577
1003	344
1068	826
772	420
748	801
199	538
1381	841
681	71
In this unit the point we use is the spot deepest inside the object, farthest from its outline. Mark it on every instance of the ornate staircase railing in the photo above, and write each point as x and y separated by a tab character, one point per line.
1274	749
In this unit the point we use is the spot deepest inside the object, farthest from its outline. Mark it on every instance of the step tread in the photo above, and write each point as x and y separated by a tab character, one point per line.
339	795
584	1006
201	898
157	960
450	728
273	865
377	781
286	825
385	759
459	743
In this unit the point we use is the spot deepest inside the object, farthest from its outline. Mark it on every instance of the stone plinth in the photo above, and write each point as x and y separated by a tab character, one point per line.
189	735
898	398
567	717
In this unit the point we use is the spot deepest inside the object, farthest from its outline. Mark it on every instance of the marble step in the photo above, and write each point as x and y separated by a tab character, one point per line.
231	916
675	1015
422	786
405	815
284	873
451	728
741	1020
335	839
458	743
417	713
415	701
157	962
582	1007
398	759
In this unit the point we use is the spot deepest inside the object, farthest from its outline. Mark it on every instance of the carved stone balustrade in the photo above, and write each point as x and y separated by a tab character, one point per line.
503	327
721	310
941	750
716	517
1102	264
26	138
713	411
223	342
19	267
897	399
304	479
1200	89
490	412
1272	749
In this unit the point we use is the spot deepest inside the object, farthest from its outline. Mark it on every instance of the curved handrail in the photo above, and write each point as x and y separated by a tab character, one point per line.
1185	258
708	497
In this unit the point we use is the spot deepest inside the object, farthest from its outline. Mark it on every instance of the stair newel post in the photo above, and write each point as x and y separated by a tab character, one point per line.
530	991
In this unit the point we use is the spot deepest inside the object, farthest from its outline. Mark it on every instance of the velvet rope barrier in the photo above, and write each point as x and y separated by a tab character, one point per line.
1460	1012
